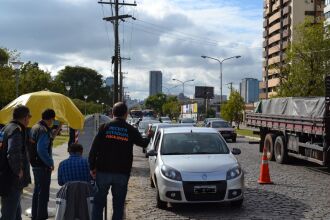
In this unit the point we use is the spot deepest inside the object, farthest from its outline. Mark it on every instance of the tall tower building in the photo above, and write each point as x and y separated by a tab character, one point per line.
249	90
280	18
155	82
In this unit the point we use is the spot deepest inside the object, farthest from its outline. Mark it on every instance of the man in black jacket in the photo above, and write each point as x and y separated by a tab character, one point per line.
14	164
110	160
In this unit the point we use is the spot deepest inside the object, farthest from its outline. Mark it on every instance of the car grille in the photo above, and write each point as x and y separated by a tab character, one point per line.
221	187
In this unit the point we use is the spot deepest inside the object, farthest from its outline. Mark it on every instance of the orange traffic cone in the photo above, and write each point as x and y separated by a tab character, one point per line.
264	170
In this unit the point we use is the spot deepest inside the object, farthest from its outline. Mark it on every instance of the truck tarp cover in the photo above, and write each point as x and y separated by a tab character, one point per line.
293	106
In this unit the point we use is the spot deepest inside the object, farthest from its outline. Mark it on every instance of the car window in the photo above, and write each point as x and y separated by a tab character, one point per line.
187	120
193	143
220	124
157	139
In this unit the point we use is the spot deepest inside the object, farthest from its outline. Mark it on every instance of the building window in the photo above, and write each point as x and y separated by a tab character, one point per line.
327	14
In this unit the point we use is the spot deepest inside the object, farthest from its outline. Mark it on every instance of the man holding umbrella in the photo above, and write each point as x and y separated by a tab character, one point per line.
42	163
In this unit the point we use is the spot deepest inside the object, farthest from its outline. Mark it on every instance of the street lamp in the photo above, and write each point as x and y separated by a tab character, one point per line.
85	97
220	62
17	65
97	101
68	87
102	107
183	82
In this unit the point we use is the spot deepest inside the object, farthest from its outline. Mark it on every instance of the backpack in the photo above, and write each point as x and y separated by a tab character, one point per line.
6	175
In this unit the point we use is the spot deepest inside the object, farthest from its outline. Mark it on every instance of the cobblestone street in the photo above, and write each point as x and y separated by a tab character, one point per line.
299	192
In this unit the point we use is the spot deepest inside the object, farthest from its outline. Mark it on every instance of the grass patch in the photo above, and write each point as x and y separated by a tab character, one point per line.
246	132
60	139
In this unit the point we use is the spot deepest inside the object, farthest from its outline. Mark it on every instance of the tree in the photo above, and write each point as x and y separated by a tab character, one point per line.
307	61
172	107
7	85
33	79
4	56
156	102
84	81
233	109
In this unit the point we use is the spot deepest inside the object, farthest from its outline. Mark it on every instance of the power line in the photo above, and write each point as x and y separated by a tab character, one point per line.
169	35
178	32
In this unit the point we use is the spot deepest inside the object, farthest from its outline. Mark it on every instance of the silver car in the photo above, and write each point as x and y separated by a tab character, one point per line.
194	165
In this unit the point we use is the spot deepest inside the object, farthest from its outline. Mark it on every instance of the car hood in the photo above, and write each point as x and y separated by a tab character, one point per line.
200	163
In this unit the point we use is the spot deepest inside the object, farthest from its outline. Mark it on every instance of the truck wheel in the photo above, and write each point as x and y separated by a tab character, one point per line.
269	145
280	150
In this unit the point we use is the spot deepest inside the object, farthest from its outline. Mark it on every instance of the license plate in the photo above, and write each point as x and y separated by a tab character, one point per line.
205	189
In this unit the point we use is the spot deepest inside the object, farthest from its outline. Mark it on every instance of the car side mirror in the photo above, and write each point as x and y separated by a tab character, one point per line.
236	151
152	153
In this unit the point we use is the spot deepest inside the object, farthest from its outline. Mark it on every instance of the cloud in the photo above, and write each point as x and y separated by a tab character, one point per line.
168	35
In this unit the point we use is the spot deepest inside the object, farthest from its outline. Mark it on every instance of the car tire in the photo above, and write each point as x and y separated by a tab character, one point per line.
280	150
269	145
160	204
152	183
237	203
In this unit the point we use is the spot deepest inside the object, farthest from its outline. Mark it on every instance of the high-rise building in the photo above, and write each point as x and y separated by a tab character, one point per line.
280	18
155	82
327	12
249	90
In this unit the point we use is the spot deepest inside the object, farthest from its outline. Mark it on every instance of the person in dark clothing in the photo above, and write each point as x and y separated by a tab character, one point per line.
14	164
110	160
42	163
75	168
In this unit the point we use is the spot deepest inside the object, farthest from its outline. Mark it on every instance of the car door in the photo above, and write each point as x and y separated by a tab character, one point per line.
152	159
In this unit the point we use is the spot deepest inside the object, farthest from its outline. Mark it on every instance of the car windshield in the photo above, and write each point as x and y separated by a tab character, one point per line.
220	124
187	120
193	143
145	124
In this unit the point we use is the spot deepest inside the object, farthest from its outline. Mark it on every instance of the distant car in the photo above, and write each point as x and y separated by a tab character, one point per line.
155	128
144	125
165	120
207	120
225	129
194	165
189	121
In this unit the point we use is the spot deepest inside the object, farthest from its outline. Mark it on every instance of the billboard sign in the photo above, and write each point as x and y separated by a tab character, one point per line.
204	92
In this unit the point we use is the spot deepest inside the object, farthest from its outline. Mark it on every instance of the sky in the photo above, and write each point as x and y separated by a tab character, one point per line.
167	35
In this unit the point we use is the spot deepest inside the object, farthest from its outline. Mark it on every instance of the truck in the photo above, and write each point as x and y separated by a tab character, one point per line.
294	127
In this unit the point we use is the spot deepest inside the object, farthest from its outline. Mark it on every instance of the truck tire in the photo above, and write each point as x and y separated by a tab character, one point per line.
269	145
280	150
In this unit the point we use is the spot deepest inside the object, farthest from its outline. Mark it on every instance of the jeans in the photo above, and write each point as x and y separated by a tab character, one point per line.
118	183
41	193
11	205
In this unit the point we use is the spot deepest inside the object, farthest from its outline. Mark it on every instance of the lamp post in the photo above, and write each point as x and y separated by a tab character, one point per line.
97	101
220	62
102	107
85	97
183	82
17	65
68	87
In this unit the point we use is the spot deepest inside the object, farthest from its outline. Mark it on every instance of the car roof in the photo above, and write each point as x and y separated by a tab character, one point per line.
218	121
189	129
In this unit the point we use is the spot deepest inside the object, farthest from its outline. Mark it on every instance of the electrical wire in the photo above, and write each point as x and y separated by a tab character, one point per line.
178	32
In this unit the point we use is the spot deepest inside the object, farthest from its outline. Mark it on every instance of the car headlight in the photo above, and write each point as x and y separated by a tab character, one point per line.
171	173
233	173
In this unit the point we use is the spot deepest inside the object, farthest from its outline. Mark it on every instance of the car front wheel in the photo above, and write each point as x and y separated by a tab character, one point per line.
160	204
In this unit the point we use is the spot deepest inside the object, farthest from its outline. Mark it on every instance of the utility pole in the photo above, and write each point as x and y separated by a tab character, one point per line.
231	87
115	20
